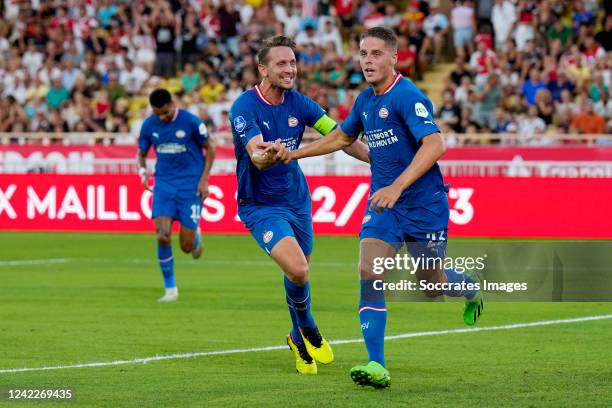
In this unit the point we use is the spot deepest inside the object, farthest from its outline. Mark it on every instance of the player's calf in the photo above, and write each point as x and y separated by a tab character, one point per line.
431	276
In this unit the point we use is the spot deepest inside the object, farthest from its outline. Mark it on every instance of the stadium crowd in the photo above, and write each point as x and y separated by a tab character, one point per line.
525	67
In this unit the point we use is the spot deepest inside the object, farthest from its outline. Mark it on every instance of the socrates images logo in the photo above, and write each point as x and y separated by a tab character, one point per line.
267	236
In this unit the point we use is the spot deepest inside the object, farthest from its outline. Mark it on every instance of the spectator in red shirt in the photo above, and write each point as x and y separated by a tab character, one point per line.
406	56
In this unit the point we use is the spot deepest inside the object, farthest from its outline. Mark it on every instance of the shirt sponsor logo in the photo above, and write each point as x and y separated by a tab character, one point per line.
293	122
383	113
180	133
267	236
171	148
421	110
239	124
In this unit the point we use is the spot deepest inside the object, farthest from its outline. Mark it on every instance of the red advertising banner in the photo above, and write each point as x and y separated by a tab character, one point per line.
560	161
480	207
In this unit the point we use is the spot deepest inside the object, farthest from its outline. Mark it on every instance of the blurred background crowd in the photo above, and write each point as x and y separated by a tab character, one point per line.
527	67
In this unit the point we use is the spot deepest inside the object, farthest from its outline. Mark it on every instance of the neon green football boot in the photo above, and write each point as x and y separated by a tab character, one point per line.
475	306
372	374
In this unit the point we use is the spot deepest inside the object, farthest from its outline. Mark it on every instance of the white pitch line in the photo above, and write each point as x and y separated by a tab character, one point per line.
271	348
19	262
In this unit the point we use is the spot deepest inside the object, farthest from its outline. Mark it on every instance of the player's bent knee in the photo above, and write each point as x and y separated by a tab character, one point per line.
298	274
163	238
186	246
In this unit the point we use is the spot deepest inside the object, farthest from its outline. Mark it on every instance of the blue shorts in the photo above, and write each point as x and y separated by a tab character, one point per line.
419	228
462	36
185	207
268	225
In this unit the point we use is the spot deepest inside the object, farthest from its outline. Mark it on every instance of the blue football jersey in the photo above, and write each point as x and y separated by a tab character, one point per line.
252	115
178	145
394	123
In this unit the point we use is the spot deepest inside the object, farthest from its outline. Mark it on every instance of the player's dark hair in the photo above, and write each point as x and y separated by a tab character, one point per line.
160	98
271	42
383	33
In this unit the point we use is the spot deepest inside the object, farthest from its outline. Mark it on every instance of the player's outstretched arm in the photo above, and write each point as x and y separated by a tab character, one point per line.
358	150
333	142
211	150
432	148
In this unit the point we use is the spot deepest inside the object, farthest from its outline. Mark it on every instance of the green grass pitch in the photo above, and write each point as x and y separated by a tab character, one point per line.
96	302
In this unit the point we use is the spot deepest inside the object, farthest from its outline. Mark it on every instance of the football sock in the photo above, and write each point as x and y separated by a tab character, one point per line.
295	329
299	298
196	241
452	276
166	264
373	317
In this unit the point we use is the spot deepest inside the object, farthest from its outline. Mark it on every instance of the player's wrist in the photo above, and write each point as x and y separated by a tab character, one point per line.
142	172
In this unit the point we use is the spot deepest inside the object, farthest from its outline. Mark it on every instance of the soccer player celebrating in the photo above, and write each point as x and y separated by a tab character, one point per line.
181	178
407	203
273	198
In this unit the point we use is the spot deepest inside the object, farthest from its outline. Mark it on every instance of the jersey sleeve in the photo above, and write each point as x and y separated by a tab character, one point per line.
352	125
144	138
417	113
200	132
243	121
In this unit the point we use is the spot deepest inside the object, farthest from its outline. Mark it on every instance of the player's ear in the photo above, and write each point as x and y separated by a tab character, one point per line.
262	70
395	57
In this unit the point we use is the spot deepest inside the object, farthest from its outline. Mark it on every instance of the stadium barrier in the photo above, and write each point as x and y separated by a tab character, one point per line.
480	206
225	138
466	161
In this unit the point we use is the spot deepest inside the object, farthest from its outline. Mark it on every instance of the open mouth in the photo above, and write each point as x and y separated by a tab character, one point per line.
368	71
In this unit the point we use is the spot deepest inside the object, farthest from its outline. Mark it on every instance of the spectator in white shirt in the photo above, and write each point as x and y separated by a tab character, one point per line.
32	59
308	36
330	34
503	17
530	126
132	77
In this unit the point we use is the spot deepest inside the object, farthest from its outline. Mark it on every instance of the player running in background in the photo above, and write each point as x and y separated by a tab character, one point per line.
273	198
181	178
408	202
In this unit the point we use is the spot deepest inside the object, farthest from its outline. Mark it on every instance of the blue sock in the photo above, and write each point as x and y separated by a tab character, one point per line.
166	264
373	317
452	276
299	296
197	240
295	330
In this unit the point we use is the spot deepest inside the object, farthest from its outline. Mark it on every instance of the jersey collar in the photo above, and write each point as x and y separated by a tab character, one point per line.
263	98
175	114
395	81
